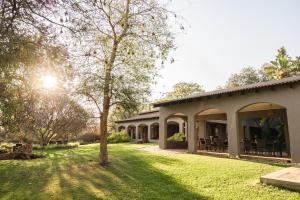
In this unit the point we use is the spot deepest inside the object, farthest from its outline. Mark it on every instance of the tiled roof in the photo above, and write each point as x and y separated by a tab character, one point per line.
153	114
256	86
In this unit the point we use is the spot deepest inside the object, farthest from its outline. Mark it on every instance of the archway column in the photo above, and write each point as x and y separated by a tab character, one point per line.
136	132
149	132
191	134
233	126
162	132
181	127
293	113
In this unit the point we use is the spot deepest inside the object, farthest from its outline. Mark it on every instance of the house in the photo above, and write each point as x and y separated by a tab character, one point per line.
144	127
261	119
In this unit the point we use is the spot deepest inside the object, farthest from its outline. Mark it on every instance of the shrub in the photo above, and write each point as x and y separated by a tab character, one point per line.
177	137
3	151
85	143
6	146
56	146
118	137
89	138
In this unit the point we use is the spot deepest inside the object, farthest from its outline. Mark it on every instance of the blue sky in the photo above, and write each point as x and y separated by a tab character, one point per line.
223	36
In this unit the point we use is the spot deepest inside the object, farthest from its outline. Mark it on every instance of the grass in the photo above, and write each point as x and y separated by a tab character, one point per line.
134	174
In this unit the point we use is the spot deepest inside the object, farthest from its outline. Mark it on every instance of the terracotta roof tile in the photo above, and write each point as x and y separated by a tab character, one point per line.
198	97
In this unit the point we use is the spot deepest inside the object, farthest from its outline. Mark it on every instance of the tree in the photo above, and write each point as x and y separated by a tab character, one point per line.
57	117
23	98
23	25
283	66
183	89
246	76
122	40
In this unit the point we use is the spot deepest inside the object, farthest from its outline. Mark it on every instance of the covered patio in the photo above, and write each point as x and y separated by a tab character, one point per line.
211	128
264	130
259	120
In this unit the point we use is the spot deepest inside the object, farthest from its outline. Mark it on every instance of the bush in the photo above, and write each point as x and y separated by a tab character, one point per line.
3	151
6	146
85	143
56	146
89	138
118	137
177	137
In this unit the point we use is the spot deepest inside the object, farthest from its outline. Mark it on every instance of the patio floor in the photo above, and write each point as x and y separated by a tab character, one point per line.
287	178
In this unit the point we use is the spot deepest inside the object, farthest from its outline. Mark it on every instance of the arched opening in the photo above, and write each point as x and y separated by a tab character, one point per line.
143	133
131	131
173	127
154	131
263	130
121	128
176	131
211	129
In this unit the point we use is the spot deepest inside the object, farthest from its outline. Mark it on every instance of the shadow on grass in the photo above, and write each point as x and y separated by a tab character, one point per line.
76	174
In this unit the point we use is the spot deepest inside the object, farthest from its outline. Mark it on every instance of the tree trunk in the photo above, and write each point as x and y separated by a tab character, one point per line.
106	105
104	116
103	155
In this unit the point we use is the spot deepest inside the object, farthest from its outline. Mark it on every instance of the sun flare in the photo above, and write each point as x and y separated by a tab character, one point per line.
49	82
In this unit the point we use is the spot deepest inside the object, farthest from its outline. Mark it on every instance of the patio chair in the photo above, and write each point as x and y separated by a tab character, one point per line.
260	146
208	144
247	146
202	144
219	144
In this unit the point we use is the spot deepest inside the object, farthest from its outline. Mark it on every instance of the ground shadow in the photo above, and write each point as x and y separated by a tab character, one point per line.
76	174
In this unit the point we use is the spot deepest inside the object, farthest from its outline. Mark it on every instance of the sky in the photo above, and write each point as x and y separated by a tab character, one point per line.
223	36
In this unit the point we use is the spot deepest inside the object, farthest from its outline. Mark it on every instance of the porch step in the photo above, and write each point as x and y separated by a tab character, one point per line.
266	159
287	178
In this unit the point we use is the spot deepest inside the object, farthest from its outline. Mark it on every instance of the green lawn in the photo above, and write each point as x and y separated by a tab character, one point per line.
134	174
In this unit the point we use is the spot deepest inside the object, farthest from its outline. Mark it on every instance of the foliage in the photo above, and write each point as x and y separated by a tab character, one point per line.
183	89
118	137
56	146
121	42
136	174
89	137
177	137
6	146
246	76
59	119
28	111
283	66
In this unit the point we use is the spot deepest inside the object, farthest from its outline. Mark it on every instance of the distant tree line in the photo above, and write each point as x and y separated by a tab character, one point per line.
282	67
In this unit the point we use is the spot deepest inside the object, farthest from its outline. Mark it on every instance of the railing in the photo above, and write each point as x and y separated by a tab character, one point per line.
261	148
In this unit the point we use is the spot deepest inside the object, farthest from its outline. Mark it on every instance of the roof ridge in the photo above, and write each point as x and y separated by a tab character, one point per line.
261	84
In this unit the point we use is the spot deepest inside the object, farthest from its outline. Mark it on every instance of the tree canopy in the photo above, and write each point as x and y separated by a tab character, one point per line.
121	42
282	67
183	89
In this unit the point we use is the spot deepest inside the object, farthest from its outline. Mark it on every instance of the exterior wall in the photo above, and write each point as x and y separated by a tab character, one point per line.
283	95
148	123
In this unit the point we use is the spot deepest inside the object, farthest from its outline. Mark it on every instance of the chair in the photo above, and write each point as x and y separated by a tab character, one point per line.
208	144
260	146
219	144
202	143
247	146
